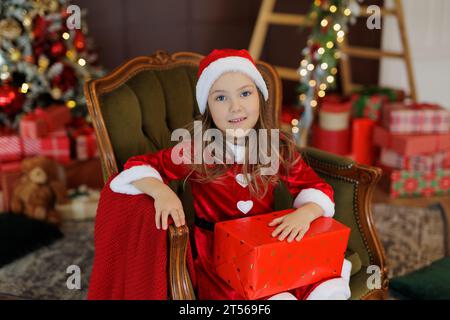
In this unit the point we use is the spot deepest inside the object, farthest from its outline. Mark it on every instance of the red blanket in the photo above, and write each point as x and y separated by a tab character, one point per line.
130	253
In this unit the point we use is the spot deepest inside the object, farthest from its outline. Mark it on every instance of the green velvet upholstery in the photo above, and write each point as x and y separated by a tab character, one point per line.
141	113
358	284
344	196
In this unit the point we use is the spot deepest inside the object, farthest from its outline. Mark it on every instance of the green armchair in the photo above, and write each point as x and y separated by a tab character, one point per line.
135	108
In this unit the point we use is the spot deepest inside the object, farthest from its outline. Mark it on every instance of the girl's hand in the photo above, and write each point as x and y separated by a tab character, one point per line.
167	204
294	225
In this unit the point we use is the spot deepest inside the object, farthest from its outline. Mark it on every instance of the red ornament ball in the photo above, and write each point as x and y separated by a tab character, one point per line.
58	49
11	100
40	28
79	41
66	80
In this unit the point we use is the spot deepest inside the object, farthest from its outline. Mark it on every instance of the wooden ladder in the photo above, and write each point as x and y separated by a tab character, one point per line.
368	53
267	16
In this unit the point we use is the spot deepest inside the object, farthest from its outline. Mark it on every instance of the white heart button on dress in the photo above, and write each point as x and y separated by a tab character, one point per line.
245	206
240	178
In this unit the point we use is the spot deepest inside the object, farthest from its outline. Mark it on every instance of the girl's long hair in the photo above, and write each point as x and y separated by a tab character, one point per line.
258	183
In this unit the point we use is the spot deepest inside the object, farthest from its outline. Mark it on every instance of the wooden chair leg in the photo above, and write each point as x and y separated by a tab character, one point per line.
179	281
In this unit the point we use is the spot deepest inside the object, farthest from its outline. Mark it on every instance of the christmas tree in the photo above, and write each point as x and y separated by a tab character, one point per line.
45	57
330	20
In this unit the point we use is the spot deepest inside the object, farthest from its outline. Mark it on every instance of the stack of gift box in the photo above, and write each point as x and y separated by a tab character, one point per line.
345	124
332	131
409	141
42	132
367	106
51	132
414	142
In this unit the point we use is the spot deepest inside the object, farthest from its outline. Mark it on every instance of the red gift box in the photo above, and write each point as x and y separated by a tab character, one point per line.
33	126
43	121
425	162
444	142
368	102
362	140
9	167
31	146
86	143
409	145
11	148
447	160
411	183
334	114
56	146
401	118
245	252
368	106
337	142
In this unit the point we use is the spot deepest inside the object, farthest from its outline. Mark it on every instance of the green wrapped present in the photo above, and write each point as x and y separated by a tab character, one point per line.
368	102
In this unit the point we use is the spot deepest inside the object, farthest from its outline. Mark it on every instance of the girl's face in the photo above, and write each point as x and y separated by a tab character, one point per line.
233	102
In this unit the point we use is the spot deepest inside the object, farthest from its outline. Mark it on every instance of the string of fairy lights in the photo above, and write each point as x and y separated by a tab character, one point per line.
330	20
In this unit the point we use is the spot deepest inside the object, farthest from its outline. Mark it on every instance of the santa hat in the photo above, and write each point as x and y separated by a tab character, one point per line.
221	61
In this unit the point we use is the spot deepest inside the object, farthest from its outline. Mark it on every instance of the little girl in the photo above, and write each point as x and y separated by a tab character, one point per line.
232	97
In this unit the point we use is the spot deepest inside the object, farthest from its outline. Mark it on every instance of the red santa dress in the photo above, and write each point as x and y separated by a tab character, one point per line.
230	198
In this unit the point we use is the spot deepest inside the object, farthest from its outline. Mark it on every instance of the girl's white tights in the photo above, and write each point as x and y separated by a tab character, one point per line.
283	296
334	289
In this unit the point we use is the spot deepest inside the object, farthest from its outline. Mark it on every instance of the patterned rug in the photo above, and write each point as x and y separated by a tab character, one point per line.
412	238
42	274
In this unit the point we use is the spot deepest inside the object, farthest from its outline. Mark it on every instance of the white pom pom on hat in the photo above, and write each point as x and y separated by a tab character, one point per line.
220	61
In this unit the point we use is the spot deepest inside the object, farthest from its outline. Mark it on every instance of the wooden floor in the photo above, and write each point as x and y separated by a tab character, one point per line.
380	196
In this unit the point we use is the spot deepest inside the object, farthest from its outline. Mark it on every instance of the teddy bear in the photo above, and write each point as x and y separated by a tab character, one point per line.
39	190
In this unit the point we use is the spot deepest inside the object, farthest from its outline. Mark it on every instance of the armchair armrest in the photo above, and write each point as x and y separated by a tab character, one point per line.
179	281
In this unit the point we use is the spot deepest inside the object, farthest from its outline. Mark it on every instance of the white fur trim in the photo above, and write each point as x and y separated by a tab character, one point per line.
215	69
316	196
283	296
333	289
346	270
122	182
